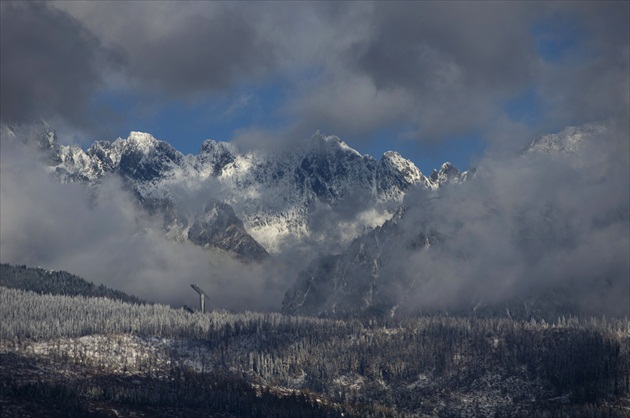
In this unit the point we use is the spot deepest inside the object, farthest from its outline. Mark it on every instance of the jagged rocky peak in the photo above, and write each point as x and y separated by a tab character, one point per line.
142	141
219	227
210	146
331	143
448	174
279	195
327	160
144	158
107	153
408	172
216	155
40	136
148	145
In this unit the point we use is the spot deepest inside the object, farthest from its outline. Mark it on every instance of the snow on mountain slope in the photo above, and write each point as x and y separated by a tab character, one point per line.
306	195
449	245
318	196
352	283
566	141
220	226
448	174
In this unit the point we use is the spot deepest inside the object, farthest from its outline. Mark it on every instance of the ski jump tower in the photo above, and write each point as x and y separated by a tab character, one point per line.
202	297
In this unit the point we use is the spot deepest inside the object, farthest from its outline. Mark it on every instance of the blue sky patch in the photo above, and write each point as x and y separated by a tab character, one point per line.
558	37
526	108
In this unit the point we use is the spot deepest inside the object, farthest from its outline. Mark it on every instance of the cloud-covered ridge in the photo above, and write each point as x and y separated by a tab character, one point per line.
547	230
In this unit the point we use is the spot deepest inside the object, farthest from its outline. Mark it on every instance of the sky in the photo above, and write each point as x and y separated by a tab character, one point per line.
436	81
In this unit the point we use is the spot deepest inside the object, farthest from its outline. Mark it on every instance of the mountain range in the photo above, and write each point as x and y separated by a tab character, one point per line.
250	203
424	257
353	221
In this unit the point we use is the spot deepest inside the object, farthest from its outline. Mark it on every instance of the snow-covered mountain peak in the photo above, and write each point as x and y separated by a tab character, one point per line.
568	140
447	174
143	141
297	195
323	142
214	156
210	146
391	155
395	162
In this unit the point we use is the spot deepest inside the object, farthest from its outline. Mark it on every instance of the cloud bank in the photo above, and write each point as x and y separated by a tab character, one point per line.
51	65
552	225
101	235
353	69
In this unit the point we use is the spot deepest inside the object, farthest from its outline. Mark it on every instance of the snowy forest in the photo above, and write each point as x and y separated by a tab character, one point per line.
74	355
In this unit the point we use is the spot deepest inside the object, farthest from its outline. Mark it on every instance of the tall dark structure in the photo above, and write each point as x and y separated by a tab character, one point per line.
202	297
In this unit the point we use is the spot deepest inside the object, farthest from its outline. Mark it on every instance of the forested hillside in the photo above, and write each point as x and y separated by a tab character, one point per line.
56	283
98	354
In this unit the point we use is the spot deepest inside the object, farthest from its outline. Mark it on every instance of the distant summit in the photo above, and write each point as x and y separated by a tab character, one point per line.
568	140
373	276
275	200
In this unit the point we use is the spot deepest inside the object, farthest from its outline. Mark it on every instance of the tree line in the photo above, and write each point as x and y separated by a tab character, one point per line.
411	366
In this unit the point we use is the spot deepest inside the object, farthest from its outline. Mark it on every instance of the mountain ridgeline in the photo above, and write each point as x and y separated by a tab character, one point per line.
377	237
476	293
268	201
50	282
505	242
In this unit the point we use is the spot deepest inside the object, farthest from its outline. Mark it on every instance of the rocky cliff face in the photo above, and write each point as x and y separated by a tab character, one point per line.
374	275
360	227
362	280
219	226
318	196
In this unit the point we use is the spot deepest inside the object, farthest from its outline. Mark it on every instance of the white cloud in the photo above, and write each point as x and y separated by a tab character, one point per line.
102	236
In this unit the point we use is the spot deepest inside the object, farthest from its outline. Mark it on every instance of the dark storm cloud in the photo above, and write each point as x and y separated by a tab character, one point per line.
447	68
50	65
416	45
441	67
184	49
353	69
54	65
203	53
